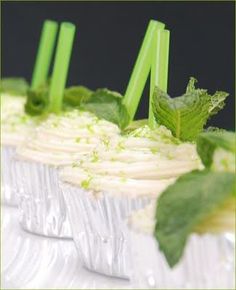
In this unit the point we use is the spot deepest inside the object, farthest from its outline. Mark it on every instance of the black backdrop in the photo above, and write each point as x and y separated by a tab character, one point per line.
109	35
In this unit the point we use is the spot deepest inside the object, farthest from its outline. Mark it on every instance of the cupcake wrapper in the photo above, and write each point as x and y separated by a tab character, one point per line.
9	189
207	263
99	229
107	245
41	203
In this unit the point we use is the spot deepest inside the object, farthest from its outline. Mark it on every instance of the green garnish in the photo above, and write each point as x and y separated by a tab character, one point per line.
14	86
135	125
187	115
44	53
95	157
208	142
86	182
185	204
61	66
141	69
154	150
107	105
74	96
120	146
195	196
75	164
106	141
37	101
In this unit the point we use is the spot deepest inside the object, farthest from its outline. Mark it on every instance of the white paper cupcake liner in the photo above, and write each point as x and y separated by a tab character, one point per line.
41	203
207	263
9	190
99	229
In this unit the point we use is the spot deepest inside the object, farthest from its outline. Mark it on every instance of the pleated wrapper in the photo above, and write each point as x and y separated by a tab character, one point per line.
41	203
98	222
207	263
9	188
107	244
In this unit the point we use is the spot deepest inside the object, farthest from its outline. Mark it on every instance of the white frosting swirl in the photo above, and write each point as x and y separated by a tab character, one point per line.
16	126
63	138
143	163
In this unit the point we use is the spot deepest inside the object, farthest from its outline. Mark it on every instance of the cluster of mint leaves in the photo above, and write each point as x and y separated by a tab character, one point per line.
14	86
187	115
103	103
194	196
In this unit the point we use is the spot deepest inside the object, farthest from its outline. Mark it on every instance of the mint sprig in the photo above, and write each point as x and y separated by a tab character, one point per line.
14	86
208	142
105	104
37	102
76	95
185	204
187	115
108	105
195	196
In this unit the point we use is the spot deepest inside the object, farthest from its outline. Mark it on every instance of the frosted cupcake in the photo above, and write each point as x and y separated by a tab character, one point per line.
193	224
63	138
16	123
124	175
58	141
131	172
15	127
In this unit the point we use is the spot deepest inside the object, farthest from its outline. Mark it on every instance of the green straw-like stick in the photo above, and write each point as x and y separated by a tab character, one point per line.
61	65
155	71
140	72
44	54
159	69
164	60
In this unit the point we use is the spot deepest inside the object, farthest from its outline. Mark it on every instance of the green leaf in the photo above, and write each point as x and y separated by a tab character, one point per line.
135	125
187	203
208	142
37	101
76	95
108	105
186	115
14	86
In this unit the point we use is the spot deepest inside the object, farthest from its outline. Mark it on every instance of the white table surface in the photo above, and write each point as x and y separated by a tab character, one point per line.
35	262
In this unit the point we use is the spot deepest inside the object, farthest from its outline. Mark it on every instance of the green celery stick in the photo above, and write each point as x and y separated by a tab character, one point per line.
141	70
44	54
61	65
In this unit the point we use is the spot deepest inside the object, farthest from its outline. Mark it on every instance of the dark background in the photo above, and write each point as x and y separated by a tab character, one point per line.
109	35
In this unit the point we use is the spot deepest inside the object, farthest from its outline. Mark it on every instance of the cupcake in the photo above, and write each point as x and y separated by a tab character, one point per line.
15	127
123	175
129	173
77	121
16	123
193	224
58	141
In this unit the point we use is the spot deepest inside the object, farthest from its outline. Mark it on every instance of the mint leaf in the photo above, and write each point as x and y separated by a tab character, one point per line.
208	142
76	95
185	204
14	86
37	101
107	105
187	115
